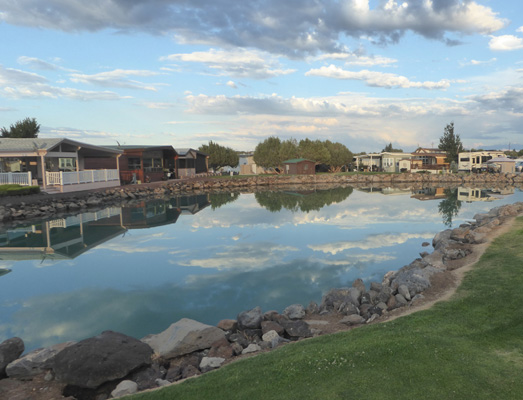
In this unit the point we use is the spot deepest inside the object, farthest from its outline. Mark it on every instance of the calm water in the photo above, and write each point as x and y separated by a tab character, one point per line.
137	269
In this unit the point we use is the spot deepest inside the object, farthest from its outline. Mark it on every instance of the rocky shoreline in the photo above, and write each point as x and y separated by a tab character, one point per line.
113	364
43	206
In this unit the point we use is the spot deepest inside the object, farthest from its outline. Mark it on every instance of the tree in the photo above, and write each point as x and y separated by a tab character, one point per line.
27	128
340	155
451	143
314	150
220	156
267	153
389	149
288	150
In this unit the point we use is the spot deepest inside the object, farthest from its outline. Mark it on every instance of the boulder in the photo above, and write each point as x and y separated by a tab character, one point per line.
312	308
272	326
352	320
250	319
358	284
228	325
35	362
296	329
416	279
404	291
10	350
184	337
210	363
146	377
295	311
336	297
103	358
124	388
252	348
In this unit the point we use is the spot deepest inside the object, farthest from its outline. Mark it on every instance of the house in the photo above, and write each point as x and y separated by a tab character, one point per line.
146	163
191	162
432	160
57	164
248	166
299	166
390	162
368	162
476	160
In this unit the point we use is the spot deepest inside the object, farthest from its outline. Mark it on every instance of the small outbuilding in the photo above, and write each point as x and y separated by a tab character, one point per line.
299	166
503	164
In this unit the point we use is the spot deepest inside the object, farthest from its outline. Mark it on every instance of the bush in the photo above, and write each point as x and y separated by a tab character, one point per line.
17	190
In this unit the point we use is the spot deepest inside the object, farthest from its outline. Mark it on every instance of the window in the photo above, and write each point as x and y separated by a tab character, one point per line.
465	159
67	164
134	163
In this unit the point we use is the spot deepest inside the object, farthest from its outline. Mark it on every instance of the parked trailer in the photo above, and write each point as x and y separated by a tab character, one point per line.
476	161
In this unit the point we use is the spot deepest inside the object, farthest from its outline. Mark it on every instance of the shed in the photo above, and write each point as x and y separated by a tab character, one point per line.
503	163
299	166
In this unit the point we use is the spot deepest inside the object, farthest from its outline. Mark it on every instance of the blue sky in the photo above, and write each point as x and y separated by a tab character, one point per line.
180	72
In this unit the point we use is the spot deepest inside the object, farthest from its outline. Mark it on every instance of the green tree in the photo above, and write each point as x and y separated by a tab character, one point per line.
340	155
220	156
267	153
288	150
314	150
451	143
27	128
389	149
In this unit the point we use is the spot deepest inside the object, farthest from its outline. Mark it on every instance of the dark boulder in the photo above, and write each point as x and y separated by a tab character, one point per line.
106	357
10	350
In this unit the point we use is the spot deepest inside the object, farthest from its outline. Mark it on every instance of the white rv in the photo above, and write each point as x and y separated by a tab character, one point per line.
476	161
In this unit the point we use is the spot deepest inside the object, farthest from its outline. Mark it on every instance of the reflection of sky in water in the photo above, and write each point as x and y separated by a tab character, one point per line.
216	263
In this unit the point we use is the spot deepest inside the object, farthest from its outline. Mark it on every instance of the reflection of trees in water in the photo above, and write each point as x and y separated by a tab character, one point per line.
301	200
450	206
220	199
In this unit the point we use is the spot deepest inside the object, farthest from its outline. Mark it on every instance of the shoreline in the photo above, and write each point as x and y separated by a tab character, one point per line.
455	252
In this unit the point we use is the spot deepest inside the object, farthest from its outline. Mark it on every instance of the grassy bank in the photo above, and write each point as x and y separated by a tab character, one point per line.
467	348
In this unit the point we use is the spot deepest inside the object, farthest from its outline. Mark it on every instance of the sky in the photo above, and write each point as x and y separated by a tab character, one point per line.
364	73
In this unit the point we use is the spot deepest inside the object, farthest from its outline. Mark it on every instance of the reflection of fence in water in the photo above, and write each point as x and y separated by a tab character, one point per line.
85	217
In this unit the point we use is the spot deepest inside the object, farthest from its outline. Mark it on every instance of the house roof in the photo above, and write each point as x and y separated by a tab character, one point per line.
296	160
29	145
140	147
183	152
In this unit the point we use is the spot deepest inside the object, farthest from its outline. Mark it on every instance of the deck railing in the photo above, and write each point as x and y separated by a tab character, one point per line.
86	176
16	178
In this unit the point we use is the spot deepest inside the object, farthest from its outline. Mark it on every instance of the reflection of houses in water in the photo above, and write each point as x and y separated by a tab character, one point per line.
389	191
430	193
473	194
67	238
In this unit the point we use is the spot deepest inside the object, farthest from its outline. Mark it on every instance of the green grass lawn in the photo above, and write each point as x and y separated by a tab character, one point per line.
467	348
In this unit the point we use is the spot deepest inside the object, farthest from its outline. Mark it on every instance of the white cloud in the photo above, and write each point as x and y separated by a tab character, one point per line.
371	242
116	78
377	79
239	62
505	43
232	85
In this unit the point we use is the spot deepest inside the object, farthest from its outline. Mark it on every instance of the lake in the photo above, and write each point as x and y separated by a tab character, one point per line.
137	269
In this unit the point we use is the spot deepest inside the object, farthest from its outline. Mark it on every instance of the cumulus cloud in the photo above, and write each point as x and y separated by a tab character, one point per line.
295	28
507	100
505	43
117	78
376	79
239	63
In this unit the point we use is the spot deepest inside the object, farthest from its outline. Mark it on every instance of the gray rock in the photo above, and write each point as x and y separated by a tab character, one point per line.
162	382
297	329
184	337
272	326
404	291
124	388
376	286
10	350
358	284
441	237
100	359
416	279
352	320
312	308
35	362
294	311
400	300
252	348
146	378
348	309
250	319
384	294
210	363
228	325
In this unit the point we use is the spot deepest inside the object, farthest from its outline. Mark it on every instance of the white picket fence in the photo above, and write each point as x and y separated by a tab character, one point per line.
87	176
16	178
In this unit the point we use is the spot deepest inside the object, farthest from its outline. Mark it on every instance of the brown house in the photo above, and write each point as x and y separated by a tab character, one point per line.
146	163
430	159
299	166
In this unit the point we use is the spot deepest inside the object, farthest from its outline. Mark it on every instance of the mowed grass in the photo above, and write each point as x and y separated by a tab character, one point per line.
469	347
